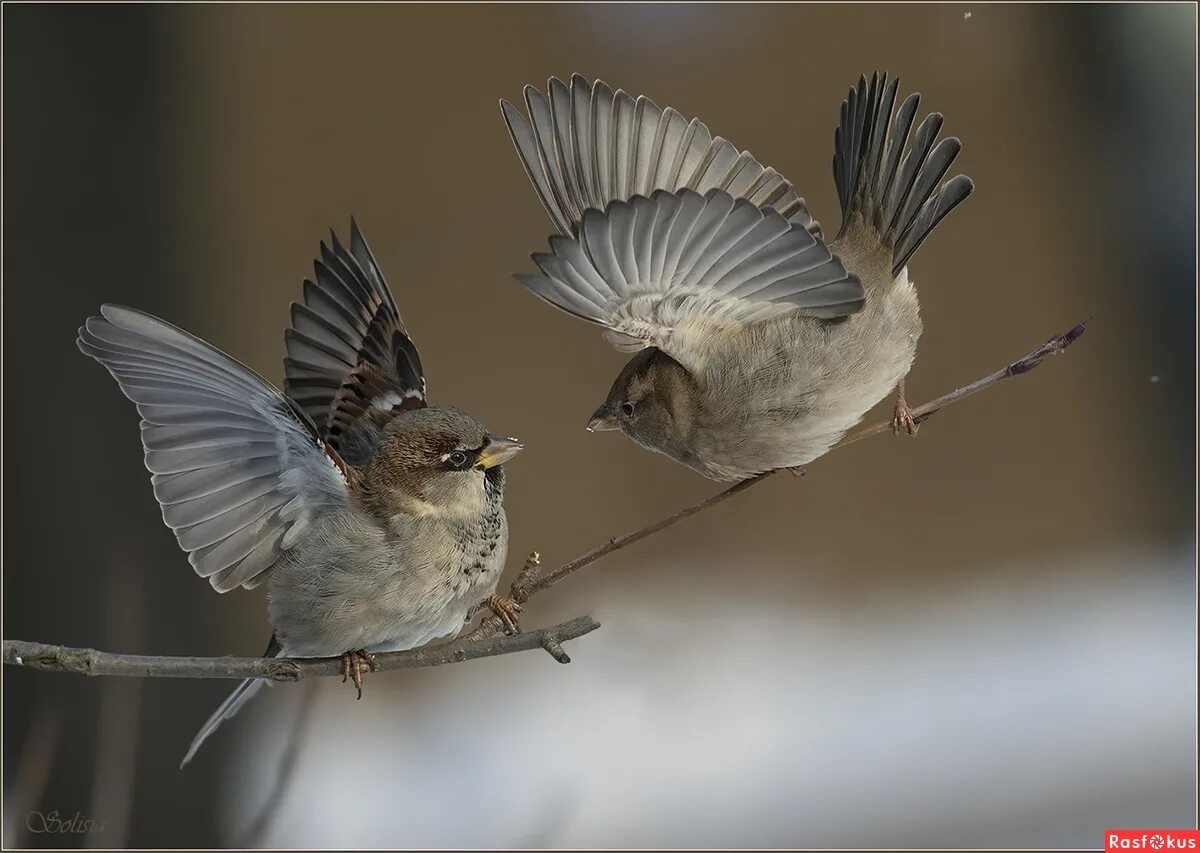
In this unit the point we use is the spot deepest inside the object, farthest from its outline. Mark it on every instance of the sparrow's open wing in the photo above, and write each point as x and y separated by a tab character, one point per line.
651	268
584	146
348	352
238	468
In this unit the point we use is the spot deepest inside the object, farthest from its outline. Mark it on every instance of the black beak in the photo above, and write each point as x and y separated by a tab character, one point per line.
602	420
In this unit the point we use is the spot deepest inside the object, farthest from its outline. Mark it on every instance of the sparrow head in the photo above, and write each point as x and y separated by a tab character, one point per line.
654	401
437	461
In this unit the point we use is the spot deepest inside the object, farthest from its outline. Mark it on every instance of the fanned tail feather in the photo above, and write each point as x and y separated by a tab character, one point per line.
897	191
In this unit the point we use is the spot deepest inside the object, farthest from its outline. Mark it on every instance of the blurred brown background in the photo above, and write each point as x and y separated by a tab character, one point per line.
980	637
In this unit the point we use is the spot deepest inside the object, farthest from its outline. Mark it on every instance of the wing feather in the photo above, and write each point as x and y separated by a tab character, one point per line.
236	466
645	266
615	146
348	350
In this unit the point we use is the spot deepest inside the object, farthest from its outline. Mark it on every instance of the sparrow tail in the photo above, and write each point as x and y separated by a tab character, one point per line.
239	697
899	193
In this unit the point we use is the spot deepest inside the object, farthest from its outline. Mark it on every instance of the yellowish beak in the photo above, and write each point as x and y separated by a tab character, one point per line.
499	450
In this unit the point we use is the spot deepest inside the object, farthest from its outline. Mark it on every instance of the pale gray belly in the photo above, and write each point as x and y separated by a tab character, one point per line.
347	585
805	387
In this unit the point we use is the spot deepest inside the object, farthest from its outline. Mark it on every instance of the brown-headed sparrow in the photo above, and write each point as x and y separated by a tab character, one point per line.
376	521
759	345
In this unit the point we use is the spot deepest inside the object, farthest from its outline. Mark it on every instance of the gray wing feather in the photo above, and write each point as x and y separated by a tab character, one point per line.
725	250
706	233
236	466
643	266
546	145
525	138
560	118
581	270
579	148
194	485
602	144
743	255
596	239
584	146
691	153
642	243
624	144
690	205
717	167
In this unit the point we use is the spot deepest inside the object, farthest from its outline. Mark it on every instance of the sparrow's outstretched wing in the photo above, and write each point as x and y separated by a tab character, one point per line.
652	270
350	362
585	146
237	467
897	192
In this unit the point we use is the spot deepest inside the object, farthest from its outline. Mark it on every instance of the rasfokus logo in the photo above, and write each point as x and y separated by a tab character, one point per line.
1151	839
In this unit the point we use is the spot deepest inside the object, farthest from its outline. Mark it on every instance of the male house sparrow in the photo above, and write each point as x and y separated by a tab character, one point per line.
376	522
759	346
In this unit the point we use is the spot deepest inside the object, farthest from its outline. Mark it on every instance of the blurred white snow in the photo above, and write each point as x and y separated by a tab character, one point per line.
1031	709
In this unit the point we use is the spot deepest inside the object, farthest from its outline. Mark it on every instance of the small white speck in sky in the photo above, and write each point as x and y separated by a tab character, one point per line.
966	16
1154	378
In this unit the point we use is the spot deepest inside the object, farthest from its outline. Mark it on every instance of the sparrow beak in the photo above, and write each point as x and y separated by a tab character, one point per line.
499	450
602	420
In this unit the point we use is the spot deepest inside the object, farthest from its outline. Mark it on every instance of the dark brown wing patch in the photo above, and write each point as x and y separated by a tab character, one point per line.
348	352
350	474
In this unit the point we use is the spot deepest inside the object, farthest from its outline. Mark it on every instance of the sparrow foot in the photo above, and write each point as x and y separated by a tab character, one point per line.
797	471
903	421
508	611
354	665
902	416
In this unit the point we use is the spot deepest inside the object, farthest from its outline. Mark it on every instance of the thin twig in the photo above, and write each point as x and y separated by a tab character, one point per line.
91	662
480	642
491	625
1054	346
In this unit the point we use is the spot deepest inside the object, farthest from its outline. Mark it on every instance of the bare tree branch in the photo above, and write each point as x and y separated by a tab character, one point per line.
91	662
482	641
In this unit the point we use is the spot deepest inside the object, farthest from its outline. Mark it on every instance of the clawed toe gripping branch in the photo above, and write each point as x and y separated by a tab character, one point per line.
487	639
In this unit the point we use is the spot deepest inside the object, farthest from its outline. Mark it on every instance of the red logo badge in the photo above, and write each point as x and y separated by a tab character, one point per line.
1151	839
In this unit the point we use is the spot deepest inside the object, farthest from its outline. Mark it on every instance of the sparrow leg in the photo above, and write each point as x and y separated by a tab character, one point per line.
902	416
354	664
798	471
508	611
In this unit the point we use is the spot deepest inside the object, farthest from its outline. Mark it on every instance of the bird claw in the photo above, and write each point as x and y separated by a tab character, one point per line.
903	420
507	610
902	416
354	664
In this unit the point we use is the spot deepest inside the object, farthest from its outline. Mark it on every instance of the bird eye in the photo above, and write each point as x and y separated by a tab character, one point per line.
457	459
627	409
